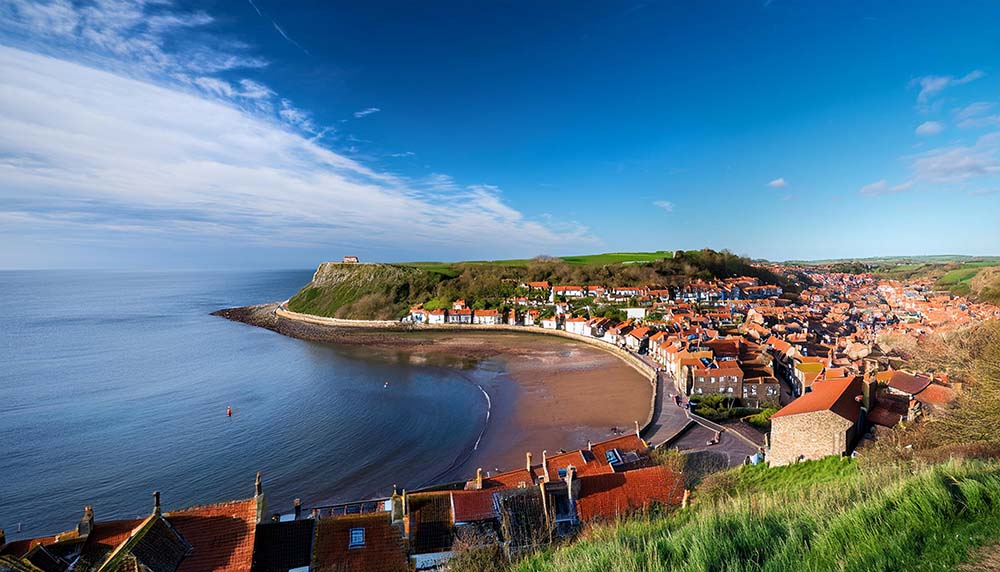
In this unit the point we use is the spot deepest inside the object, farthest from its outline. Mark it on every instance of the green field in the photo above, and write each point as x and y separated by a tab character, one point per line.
581	260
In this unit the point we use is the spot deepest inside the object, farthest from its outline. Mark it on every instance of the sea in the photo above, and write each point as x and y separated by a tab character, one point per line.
116	384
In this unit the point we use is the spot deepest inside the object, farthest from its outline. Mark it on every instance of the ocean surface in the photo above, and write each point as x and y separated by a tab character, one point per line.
115	384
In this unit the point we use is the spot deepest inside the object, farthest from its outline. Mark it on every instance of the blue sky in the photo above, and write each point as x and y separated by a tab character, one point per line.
273	134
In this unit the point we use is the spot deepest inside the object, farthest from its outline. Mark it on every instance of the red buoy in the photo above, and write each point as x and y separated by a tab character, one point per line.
229	411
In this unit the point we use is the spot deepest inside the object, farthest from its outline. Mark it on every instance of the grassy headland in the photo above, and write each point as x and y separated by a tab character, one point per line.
386	291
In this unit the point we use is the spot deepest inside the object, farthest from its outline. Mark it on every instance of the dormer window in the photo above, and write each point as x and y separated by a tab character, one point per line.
357	538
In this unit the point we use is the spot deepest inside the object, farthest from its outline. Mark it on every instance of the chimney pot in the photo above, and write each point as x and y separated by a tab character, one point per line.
156	502
479	478
545	465
527	457
637	429
258	486
297	504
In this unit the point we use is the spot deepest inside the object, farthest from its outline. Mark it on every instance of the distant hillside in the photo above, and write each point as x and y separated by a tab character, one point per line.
978	278
386	291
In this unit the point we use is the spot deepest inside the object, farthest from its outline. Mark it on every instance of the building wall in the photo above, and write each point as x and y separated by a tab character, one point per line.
808	435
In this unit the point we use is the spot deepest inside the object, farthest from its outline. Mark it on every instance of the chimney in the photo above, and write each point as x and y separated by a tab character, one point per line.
86	524
637	430
590	446
545	465
570	477
479	478
297	508
258	496
156	502
527	457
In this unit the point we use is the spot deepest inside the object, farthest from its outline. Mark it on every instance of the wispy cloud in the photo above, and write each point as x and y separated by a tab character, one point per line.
778	183
959	163
882	187
977	116
665	205
278	28
929	128
366	112
931	85
107	136
403	154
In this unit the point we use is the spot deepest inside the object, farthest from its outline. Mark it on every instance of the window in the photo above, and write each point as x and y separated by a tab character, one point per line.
357	538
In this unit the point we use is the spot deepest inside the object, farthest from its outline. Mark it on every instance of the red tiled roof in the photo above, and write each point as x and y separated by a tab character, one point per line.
509	479
879	415
906	383
220	535
383	550
935	394
617	494
837	395
470	506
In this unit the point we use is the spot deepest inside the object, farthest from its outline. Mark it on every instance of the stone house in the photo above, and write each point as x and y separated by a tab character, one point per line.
825	421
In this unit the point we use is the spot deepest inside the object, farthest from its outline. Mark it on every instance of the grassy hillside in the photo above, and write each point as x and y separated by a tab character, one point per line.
824	515
386	291
364	291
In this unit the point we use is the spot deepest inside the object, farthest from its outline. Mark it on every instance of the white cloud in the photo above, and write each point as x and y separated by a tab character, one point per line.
364	112
778	183
882	187
84	151
931	85
976	116
958	163
876	188
665	205
929	128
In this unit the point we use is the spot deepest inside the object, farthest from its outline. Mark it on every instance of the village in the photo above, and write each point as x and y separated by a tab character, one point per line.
812	362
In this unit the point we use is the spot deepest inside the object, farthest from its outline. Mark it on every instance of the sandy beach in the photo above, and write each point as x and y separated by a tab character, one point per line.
546	393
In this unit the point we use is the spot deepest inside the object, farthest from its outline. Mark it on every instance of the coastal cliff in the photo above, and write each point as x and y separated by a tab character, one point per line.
363	291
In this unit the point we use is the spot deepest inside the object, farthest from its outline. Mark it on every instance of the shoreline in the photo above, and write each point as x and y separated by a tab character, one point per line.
538	400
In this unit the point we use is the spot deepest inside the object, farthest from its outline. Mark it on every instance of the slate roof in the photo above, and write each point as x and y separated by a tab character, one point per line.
281	546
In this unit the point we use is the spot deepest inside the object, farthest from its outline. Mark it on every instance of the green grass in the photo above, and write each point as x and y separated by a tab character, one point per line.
820	516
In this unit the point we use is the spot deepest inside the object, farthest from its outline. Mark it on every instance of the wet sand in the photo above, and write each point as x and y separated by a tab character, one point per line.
546	393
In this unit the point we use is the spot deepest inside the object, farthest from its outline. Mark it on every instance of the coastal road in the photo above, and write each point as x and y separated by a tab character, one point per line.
668	418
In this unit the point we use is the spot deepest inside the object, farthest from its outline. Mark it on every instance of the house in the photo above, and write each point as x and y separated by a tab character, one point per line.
531	317
637	339
418	315
826	421
578	326
635	313
708	376
486	317
599	326
596	291
463	316
208	538
351	260
550	323
458	304
569	291
437	317
359	543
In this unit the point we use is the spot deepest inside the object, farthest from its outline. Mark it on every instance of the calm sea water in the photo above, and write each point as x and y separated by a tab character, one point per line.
115	384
